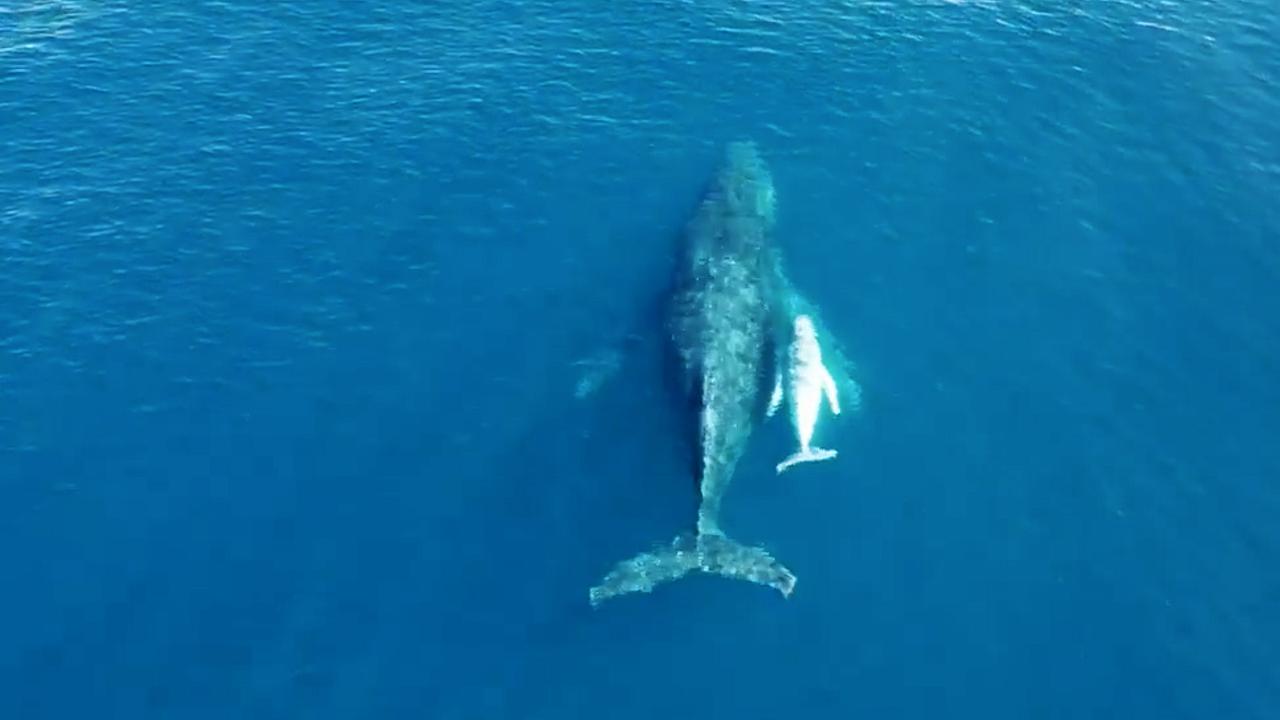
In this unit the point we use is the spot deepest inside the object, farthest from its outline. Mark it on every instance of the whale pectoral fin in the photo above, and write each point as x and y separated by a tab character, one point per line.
775	400
845	379
605	363
829	387
596	371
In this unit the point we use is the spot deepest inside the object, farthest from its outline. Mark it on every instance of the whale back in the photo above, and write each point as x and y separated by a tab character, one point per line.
721	316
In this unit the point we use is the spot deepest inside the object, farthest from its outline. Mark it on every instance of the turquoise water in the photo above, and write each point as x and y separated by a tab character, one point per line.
295	298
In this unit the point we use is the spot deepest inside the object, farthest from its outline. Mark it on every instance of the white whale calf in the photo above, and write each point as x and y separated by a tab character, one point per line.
807	381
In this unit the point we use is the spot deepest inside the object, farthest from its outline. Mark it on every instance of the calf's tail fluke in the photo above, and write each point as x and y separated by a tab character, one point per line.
804	456
705	552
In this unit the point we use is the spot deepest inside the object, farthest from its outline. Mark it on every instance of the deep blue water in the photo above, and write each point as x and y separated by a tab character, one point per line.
293	294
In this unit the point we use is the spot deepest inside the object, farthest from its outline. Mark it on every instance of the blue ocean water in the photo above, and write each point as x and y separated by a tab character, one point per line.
295	297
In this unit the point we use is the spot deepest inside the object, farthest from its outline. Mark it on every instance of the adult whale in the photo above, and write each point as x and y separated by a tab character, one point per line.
722	319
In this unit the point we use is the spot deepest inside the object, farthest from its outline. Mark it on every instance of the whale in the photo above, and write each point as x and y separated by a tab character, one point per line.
721	316
808	382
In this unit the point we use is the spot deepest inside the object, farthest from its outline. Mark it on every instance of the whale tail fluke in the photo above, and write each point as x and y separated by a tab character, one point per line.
804	456
709	553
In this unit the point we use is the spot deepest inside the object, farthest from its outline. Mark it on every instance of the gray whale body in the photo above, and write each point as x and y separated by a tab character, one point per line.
723	316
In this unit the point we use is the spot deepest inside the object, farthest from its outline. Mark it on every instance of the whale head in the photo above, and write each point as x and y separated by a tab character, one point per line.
747	184
804	328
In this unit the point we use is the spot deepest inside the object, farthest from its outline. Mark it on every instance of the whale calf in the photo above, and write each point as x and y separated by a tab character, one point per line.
721	321
807	382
